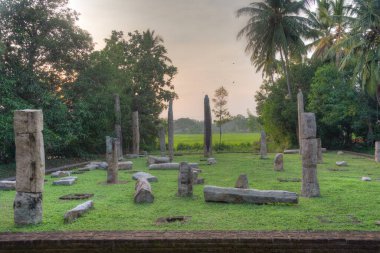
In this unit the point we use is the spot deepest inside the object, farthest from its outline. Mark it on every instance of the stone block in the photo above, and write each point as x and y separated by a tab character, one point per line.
308	126
27	208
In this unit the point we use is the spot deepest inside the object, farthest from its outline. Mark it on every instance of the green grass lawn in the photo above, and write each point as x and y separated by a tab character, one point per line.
347	203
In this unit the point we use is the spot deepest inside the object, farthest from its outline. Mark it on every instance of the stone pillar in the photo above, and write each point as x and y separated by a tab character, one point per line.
279	162
207	132
377	151
185	180
263	145
118	125
135	133
319	154
30	166
170	131
108	149
113	163
310	185
300	109
161	134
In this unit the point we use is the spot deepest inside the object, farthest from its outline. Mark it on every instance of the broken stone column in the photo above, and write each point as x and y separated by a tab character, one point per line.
377	151
135	133
263	146
161	134
279	162
118	125
300	109
319	153
310	185
30	166
113	163
143	191
242	182
185	180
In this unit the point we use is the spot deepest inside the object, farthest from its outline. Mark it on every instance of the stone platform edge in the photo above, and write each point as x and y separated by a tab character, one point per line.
190	241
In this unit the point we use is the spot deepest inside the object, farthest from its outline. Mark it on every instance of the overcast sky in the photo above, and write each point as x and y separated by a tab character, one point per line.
200	36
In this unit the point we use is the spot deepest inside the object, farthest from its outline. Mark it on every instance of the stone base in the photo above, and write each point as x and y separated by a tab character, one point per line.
27	208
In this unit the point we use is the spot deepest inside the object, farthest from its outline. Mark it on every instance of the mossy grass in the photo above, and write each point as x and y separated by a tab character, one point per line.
347	203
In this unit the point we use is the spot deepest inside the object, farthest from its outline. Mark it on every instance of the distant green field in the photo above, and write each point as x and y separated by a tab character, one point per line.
227	138
230	142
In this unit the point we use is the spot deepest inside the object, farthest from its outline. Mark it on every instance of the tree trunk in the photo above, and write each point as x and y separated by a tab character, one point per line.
136	133
170	131
286	71
207	128
118	125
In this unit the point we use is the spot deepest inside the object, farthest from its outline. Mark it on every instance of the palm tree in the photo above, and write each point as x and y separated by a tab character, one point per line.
363	44
274	29
330	19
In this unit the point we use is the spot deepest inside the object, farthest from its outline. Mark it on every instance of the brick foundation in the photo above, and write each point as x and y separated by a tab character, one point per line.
200	241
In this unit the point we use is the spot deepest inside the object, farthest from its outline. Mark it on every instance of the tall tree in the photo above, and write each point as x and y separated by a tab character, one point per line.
220	109
275	28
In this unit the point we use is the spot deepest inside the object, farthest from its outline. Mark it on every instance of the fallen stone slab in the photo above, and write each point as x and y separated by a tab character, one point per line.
6	185
157	160
143	191
164	166
236	195
283	180
65	181
211	161
126	165
95	165
147	176
78	211
340	153
341	163
76	196
61	173
366	179
291	151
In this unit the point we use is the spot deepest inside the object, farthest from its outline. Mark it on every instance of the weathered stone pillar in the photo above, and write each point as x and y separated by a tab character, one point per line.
207	132
263	145
279	162
300	109
319	154
377	151
118	125
170	131
185	180
310	185
113	163
30	166
108	148
161	133
135	133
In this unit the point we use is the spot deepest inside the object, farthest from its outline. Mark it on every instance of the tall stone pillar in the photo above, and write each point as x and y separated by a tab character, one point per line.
30	166
108	148
300	109
161	133
135	133
263	145
207	132
319	154
377	151
170	131
310	185
113	163
118	125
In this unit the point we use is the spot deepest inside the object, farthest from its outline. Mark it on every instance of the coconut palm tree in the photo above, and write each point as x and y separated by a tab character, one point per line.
331	20
274	29
363	44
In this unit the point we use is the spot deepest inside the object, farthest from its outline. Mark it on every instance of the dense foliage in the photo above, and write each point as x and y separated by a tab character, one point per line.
47	62
340	82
